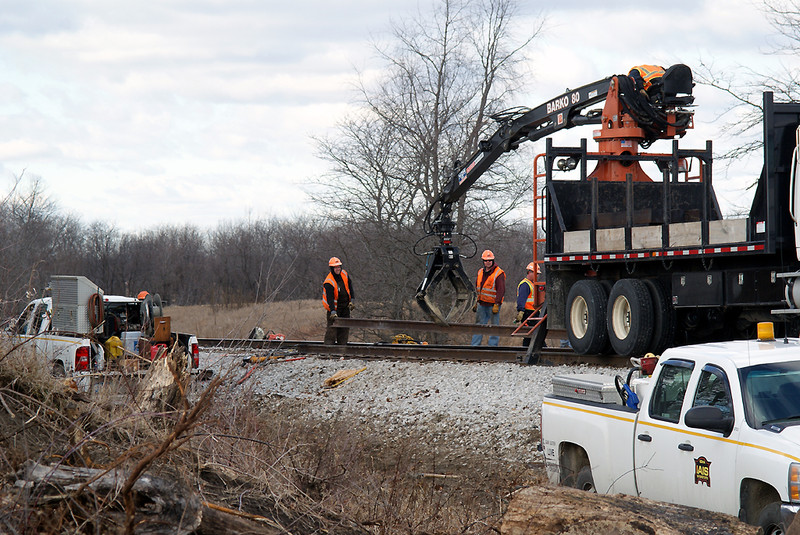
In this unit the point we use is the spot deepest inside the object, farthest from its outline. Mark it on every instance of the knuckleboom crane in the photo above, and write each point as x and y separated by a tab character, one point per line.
629	119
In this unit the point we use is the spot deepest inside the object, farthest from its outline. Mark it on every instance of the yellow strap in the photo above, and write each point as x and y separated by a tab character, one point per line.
347	378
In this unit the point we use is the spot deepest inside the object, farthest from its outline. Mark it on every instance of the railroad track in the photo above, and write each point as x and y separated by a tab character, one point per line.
548	356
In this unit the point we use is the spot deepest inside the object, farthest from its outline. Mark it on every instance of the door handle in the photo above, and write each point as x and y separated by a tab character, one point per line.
685	447
644	438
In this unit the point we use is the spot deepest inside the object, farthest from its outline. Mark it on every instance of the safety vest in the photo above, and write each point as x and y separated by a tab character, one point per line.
649	73
332	281
486	290
530	303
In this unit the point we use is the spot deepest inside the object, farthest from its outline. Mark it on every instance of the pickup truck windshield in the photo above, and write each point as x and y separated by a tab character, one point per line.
771	394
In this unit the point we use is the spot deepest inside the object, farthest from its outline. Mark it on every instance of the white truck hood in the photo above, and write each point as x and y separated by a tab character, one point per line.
790	434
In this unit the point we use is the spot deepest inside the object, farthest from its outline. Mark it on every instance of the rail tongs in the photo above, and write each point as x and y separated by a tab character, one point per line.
442	261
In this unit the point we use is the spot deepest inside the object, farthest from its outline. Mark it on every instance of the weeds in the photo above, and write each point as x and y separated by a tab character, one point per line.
262	459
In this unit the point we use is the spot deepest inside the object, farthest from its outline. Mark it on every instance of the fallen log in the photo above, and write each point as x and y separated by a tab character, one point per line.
557	510
164	506
219	519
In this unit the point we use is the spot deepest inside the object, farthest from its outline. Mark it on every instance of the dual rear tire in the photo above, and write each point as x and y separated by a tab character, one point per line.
634	317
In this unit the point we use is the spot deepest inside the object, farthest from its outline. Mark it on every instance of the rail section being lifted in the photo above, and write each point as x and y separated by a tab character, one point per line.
415	351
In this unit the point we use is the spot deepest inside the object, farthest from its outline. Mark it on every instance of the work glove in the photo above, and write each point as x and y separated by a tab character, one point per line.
351	306
519	317
475	307
495	308
333	314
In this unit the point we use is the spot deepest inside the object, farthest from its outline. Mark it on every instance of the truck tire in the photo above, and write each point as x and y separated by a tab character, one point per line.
663	317
770	521
630	317
586	317
58	369
584	480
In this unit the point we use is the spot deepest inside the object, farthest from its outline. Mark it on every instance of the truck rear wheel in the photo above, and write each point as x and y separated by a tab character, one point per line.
586	317
630	317
663	319
58	370
584	480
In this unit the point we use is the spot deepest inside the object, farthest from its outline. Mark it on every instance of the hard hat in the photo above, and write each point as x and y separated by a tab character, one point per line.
533	267
142	294
487	255
333	262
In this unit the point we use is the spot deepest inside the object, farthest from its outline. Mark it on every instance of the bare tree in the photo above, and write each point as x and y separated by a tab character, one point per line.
745	85
445	74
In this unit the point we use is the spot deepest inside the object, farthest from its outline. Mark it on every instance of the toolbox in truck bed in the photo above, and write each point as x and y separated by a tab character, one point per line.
587	386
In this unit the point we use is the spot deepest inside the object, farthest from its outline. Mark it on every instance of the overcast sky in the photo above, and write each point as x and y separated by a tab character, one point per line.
201	111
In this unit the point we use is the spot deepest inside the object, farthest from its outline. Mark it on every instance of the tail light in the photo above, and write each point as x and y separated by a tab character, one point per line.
82	359
195	356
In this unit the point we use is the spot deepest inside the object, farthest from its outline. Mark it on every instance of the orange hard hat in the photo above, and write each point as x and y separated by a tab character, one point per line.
142	294
334	261
487	255
533	267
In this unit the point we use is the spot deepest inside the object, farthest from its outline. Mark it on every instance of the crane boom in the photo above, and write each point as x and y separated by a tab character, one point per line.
635	117
564	111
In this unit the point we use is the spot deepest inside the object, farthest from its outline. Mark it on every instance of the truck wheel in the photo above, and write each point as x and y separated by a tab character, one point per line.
586	315
664	317
630	317
58	370
770	521
585	481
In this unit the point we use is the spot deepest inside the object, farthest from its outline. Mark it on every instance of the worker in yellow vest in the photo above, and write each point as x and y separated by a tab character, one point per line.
529	296
491	287
337	299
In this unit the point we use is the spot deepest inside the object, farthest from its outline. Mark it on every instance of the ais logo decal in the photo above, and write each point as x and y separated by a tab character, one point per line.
702	472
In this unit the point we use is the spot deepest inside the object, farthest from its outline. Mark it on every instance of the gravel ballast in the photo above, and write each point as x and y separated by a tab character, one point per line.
491	407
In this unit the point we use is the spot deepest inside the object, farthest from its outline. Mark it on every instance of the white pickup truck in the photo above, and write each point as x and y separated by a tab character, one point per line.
716	426
76	328
70	354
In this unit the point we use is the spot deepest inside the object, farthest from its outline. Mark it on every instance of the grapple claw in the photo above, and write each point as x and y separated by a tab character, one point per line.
442	262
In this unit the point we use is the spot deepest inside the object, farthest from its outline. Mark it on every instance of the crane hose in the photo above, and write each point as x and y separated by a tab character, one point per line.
95	310
650	118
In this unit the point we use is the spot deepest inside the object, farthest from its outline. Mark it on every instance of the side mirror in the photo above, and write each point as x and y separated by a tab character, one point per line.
709	418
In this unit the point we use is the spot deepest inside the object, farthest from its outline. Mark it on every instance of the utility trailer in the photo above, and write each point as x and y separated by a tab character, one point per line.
642	264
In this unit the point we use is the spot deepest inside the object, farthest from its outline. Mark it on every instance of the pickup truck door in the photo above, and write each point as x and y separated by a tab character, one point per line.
656	456
678	464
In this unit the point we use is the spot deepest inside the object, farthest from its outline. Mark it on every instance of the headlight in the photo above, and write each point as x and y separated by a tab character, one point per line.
794	482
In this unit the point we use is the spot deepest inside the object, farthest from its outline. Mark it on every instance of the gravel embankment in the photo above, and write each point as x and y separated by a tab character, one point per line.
492	407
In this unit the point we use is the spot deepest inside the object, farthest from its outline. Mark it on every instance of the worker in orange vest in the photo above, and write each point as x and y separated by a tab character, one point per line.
644	76
529	296
337	299
491	287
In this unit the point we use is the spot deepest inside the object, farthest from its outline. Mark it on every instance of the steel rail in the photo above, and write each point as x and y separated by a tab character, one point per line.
429	326
548	356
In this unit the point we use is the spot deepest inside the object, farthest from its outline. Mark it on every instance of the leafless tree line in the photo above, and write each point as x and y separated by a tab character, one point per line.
236	262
